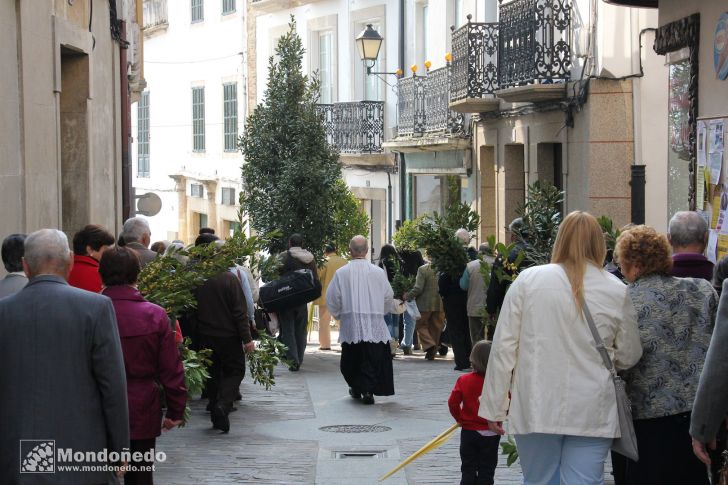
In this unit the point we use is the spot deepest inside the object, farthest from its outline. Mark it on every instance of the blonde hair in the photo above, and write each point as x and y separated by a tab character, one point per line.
580	241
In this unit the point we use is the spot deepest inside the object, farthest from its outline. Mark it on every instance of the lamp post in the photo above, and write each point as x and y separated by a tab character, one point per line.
369	42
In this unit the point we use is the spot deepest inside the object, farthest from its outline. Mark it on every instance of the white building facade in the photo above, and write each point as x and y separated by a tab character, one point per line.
187	122
360	110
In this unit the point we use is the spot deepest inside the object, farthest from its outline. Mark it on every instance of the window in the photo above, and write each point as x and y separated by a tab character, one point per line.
203	220
143	135
228	6
230	115
372	83
198	10
198	119
458	20
234	227
425	37
196	190
326	67
228	196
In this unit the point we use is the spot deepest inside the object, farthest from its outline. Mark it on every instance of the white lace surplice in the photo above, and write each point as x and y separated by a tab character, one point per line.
359	296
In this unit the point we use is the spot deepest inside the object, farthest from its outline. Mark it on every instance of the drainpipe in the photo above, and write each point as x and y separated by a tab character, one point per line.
390	203
127	199
401	35
638	194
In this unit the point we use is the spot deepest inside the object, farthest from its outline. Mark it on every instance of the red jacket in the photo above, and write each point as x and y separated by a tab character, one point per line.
150	356
464	401
85	274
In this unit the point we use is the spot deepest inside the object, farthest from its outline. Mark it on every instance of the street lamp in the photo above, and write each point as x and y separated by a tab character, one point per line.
369	42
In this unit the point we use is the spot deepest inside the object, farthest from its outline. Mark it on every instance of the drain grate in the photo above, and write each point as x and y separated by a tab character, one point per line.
355	428
358	454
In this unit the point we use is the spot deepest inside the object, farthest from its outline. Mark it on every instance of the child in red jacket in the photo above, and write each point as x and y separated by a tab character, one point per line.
478	445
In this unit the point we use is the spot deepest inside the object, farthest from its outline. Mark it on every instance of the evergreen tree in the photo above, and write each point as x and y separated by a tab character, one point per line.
291	173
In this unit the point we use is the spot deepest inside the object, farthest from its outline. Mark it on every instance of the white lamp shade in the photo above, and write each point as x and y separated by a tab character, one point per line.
369	42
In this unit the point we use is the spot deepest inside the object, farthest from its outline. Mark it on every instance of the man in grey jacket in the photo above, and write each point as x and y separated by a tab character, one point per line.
711	400
62	373
137	236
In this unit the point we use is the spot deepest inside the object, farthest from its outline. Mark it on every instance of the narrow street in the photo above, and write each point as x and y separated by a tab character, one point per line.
276	436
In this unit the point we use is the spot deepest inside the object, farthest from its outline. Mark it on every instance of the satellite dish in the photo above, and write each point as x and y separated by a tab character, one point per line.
148	204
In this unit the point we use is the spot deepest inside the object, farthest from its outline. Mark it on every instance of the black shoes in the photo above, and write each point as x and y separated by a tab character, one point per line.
367	398
294	367
430	353
220	419
443	350
354	394
407	350
463	369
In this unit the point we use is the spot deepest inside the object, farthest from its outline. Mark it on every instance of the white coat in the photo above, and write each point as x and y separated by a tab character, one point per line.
545	355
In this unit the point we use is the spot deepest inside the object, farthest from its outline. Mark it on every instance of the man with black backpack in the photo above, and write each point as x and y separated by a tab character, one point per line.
294	320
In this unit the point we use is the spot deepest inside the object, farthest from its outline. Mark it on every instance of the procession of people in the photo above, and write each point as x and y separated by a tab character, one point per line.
119	379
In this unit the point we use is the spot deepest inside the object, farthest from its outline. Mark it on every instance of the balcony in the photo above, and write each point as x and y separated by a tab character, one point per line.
534	50
474	68
275	5
356	129
426	121
154	15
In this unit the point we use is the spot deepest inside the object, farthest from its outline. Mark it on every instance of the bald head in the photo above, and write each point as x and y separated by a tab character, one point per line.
358	247
47	252
688	232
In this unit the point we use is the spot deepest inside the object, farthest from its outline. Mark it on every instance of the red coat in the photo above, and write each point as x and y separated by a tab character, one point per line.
464	401
150	356
85	274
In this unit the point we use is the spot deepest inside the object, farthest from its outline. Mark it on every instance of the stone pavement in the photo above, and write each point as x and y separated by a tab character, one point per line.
276	435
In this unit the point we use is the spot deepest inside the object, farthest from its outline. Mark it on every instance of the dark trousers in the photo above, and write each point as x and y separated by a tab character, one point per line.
140	477
227	371
479	456
666	454
457	326
294	326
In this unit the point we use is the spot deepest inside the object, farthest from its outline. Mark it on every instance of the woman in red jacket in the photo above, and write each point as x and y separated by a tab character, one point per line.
150	358
478	445
88	245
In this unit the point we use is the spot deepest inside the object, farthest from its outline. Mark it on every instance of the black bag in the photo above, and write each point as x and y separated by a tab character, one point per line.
293	289
262	321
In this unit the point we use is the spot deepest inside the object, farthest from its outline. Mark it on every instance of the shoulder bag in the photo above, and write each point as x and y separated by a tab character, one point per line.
626	445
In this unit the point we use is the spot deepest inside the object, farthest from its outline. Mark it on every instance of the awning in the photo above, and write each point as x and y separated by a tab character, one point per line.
633	3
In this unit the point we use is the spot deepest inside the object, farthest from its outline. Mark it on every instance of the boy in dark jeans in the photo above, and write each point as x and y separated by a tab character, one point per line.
478	445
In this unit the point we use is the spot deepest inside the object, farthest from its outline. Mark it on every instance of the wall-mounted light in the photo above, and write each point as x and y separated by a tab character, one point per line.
369	42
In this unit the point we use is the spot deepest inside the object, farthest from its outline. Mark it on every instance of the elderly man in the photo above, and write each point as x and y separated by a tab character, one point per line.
137	236
688	235
472	282
12	254
62	367
359	296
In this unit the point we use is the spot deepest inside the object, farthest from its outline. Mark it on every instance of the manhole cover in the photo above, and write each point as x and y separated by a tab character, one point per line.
356	428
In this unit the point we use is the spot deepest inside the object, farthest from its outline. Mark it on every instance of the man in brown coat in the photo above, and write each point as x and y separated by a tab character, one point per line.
222	321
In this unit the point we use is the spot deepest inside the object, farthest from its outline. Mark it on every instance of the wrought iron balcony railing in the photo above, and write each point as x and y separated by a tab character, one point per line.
474	61
534	42
424	105
154	13
355	127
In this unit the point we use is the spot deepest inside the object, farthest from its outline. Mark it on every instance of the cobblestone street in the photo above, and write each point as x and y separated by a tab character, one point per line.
275	435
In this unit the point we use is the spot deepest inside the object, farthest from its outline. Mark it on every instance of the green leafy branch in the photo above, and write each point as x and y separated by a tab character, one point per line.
196	374
262	361
509	449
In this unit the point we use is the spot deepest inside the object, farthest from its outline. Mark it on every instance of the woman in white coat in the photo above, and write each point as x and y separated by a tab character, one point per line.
562	407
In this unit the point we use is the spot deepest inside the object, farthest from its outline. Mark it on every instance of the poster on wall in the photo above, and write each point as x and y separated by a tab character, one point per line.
712	184
720	48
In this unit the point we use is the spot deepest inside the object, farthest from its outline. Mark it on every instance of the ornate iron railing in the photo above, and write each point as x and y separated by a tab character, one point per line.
424	105
355	127
411	106
534	42
154	13
474	61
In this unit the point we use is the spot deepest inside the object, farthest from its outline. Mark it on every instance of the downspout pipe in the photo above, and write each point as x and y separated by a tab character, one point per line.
127	198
